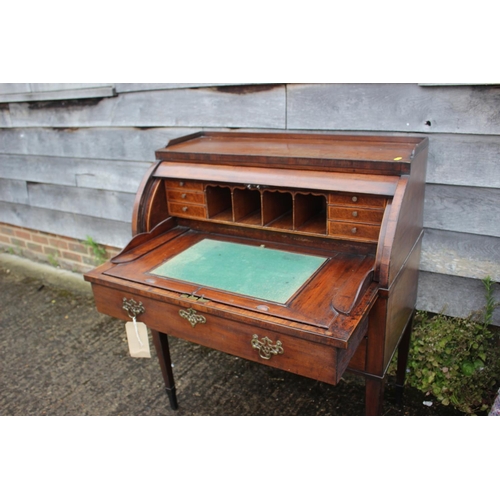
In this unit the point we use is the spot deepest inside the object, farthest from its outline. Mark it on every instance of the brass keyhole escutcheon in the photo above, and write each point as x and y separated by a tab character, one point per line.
265	347
192	316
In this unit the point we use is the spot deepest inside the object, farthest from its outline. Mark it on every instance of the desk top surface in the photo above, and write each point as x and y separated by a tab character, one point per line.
392	153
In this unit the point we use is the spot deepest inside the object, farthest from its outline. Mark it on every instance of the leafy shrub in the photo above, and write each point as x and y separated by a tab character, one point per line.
456	360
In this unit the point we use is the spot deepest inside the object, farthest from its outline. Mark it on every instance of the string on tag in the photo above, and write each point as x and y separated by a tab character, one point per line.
137	332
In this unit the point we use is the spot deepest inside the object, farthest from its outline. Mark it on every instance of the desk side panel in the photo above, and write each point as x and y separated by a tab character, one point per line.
402	302
411	216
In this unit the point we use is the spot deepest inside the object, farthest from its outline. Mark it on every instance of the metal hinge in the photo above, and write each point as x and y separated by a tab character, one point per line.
194	298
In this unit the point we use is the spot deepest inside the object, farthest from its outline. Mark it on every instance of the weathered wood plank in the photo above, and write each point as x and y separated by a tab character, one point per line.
9	88
139	87
111	205
394	107
112	175
51	87
104	231
453	296
59	95
463	209
460	254
4	116
97	143
13	191
464	160
255	106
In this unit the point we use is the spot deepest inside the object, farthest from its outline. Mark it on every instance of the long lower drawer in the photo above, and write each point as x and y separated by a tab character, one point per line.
307	358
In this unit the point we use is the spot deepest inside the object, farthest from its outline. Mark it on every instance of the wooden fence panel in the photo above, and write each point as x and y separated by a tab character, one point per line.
98	203
13	191
98	143
463	209
394	107
12	88
464	160
4	116
255	106
106	231
141	87
112	175
461	254
453	296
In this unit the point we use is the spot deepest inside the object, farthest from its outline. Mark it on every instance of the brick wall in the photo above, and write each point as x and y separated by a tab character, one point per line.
58	251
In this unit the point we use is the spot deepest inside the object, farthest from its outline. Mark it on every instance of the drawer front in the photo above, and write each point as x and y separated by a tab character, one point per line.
186	196
355	214
359	200
185	185
303	357
186	210
353	231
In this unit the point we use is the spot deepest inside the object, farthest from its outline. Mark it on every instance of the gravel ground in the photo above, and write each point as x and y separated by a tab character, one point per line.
59	356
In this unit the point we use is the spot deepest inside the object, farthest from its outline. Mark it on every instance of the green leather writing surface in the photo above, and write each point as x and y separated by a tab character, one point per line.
259	272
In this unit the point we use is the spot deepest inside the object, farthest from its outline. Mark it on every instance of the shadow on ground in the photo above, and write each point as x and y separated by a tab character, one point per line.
59	356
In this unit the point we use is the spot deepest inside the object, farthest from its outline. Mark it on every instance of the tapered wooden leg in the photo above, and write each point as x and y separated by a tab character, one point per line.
160	340
374	395
403	351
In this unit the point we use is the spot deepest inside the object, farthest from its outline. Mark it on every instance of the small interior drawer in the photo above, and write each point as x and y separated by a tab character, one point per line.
187	210
354	231
185	196
181	184
353	199
355	214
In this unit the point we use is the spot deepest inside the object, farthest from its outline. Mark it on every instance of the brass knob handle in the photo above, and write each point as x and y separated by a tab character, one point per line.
183	196
181	183
184	209
354	199
265	347
355	214
354	230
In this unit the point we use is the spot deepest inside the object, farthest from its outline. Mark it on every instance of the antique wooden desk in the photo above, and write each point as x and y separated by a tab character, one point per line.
298	251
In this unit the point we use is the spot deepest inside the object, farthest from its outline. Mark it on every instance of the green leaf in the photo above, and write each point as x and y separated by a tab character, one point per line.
467	368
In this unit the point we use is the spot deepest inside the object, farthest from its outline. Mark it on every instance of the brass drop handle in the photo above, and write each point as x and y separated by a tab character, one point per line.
133	308
192	316
265	347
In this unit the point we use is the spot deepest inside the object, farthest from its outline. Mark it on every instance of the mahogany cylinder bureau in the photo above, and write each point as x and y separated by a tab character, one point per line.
298	251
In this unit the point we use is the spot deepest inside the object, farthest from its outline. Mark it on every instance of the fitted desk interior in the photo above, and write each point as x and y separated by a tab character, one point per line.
299	251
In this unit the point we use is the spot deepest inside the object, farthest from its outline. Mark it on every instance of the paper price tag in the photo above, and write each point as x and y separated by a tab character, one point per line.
138	340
